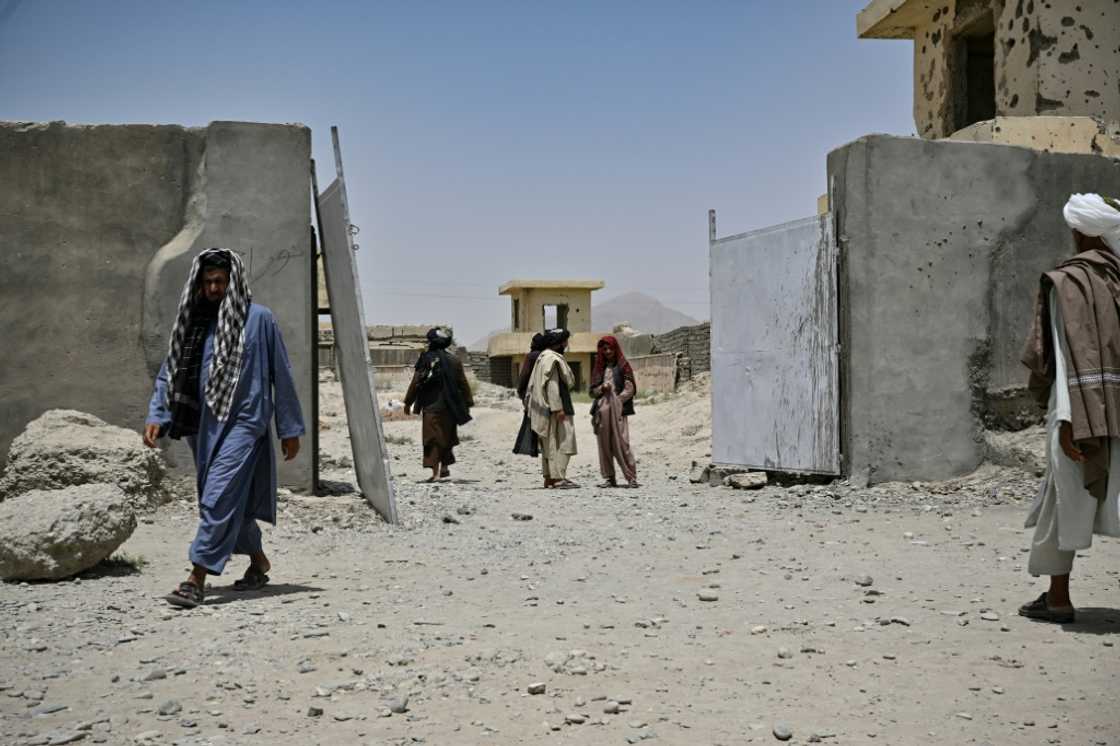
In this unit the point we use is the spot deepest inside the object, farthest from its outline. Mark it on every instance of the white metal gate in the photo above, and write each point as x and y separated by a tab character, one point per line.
775	362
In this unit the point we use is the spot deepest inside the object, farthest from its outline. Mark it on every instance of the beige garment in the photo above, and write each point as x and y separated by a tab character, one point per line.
612	429
1064	515
558	439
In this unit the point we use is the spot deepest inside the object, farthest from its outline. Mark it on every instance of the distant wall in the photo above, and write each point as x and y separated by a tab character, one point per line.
393	377
694	342
655	373
100	225
479	362
942	244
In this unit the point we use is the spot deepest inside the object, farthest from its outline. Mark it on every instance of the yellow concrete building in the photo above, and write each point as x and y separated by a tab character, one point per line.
536	305
1043	75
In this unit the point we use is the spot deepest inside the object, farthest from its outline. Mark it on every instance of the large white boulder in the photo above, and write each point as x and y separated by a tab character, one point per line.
64	448
52	534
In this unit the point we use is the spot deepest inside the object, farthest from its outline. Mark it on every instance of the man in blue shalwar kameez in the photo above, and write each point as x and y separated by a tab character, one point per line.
225	377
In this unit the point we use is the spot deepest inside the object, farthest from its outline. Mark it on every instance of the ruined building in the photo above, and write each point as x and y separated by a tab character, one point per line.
536	305
976	61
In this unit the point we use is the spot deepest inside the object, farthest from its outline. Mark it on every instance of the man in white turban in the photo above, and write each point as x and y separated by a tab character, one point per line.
1073	354
1094	216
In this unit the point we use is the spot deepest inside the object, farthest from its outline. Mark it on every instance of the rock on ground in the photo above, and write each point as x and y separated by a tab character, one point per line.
1025	449
52	534
750	481
65	448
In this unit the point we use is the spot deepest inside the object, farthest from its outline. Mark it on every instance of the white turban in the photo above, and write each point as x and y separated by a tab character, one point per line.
1091	215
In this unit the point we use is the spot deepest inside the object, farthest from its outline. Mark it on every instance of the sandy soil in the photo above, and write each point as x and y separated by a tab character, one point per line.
433	631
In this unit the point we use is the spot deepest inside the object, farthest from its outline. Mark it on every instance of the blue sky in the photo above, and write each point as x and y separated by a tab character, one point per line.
489	140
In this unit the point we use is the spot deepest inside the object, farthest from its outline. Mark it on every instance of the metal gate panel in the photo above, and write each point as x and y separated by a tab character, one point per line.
363	415
775	352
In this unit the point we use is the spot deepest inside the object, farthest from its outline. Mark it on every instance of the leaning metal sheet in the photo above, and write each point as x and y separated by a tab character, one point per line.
367	438
775	367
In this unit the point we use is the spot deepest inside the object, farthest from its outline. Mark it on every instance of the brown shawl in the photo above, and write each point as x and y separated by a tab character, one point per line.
1088	293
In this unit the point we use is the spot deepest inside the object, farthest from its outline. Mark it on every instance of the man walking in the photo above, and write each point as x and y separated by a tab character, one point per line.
551	411
1073	353
225	377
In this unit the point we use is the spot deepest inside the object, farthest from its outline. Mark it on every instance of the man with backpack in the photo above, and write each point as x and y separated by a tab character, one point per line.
441	393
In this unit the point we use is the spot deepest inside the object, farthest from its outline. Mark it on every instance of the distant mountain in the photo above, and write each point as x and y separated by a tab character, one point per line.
644	313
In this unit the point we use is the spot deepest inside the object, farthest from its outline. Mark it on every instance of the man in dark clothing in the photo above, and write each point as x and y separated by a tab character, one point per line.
441	392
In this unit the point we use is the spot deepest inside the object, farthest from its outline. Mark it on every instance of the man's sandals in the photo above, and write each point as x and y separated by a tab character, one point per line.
252	580
1042	611
563	484
186	596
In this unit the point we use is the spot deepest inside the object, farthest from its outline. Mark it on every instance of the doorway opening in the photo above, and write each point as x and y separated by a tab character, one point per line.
975	77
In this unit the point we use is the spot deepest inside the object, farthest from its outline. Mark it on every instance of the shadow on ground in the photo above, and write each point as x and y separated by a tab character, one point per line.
227	595
1095	620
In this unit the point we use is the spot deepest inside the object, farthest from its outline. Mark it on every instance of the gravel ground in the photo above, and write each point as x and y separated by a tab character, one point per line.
502	613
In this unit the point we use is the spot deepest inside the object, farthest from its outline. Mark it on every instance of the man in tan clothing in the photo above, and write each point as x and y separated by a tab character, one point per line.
551	411
1073	353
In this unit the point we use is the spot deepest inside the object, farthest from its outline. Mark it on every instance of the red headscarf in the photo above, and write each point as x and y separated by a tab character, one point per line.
620	361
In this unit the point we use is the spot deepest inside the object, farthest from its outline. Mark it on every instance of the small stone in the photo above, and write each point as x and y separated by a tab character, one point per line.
759	629
785	653
748	481
707	596
148	735
865	581
783	732
314	712
306	667
575	719
451	519
399	705
155	675
61	738
989	616
611	708
964	716
900	620
170	707
537	688
522	516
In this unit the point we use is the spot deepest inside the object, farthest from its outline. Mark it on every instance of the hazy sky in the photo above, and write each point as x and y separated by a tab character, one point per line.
490	140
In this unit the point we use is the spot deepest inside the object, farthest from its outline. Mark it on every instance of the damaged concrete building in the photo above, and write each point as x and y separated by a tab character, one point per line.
536	305
881	339
977	62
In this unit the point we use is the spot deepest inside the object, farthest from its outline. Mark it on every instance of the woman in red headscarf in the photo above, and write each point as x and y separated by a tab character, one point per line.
613	387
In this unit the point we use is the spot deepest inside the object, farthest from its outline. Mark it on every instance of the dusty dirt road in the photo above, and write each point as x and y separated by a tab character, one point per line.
835	614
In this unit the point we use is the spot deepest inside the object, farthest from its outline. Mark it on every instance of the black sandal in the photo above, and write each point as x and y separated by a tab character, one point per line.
565	484
1042	611
187	595
252	580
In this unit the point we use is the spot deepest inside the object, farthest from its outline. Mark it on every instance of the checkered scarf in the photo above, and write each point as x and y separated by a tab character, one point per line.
229	342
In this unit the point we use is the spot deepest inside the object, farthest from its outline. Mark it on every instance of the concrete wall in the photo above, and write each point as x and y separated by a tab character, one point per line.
694	342
1055	58
1058	58
655	374
942	244
100	226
